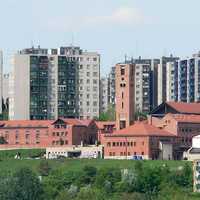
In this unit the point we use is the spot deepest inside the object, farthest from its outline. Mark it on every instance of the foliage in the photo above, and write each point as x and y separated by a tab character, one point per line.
44	168
23	185
140	115
109	115
8	154
99	179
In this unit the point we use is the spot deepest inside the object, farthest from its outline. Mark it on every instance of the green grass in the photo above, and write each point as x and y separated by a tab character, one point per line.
8	164
10	154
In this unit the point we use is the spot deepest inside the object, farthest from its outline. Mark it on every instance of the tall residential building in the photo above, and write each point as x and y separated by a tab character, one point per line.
6	87
104	89
183	79
172	81
1	79
125	94
142	88
161	83
42	85
111	91
88	80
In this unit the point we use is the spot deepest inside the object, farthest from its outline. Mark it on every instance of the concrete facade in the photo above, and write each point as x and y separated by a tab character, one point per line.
88	80
142	88
104	92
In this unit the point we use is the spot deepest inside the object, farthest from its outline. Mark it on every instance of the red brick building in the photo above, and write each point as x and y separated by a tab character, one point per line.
138	139
105	127
125	95
47	133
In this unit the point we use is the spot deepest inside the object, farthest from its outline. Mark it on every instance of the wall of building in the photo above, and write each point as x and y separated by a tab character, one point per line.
122	147
125	91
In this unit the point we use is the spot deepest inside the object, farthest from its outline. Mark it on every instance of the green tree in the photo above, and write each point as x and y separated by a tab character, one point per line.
88	175
24	185
87	193
44	168
109	115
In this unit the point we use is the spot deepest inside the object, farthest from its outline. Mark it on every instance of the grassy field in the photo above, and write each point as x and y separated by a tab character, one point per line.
9	164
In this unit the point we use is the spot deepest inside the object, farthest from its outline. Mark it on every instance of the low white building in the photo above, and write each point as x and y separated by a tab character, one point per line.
194	152
75	152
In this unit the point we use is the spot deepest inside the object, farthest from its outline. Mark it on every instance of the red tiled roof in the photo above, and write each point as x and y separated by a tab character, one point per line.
142	129
182	107
185	118
42	123
26	123
100	124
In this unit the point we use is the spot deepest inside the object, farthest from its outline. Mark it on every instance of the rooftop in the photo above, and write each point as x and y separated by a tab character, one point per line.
182	107
141	129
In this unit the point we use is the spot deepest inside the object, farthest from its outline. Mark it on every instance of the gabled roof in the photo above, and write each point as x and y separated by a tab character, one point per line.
26	123
101	124
177	107
182	107
141	129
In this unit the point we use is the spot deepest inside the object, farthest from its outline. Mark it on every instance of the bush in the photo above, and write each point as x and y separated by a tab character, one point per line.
44	168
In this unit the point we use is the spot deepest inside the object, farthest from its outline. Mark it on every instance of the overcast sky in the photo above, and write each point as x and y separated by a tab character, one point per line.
150	28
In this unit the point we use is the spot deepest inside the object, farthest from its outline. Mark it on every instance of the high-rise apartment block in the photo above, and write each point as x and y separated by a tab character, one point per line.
111	91
104	89
125	94
142	88
48	84
6	87
161	78
183	80
88	80
43	86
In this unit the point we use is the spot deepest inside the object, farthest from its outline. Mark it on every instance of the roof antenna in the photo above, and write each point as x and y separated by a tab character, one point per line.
32	45
125	58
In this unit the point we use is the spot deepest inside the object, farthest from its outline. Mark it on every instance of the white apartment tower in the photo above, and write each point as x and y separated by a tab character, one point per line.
142	88
88	81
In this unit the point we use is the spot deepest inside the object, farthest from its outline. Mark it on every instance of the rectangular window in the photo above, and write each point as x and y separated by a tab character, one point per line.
122	71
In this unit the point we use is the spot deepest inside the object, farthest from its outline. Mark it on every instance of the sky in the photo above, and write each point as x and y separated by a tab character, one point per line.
114	28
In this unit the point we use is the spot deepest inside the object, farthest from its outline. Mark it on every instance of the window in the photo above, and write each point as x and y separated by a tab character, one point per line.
95	74
95	103
113	144
123	71
95	59
122	95
121	153
94	81
129	153
66	142
134	144
108	144
142	153
88	73
88	103
122	105
110	153
80	66
88	80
